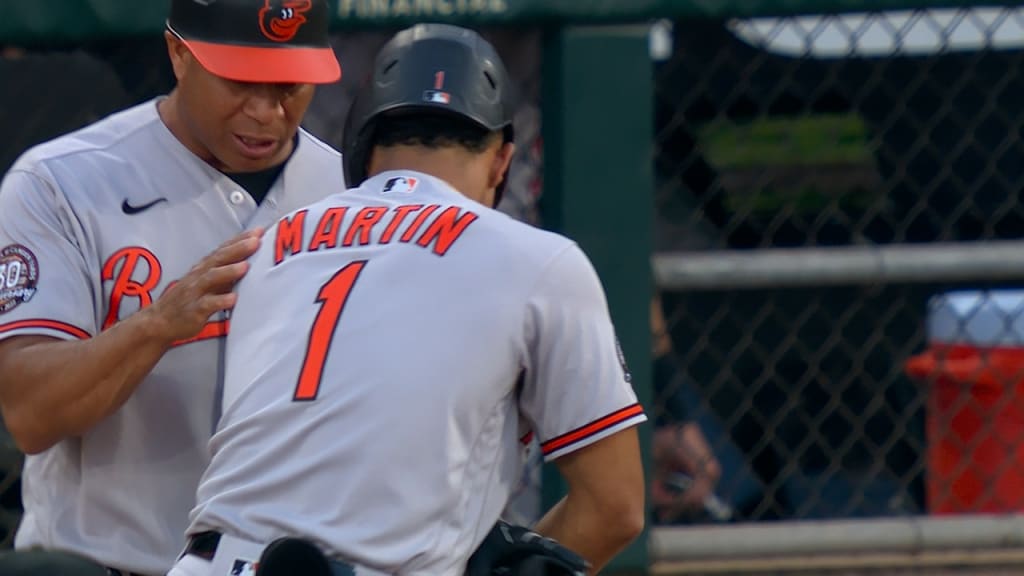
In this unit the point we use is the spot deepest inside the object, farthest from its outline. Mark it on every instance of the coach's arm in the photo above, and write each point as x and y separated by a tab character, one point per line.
52	389
604	508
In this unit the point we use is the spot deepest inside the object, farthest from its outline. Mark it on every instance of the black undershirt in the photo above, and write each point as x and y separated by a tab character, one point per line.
257	184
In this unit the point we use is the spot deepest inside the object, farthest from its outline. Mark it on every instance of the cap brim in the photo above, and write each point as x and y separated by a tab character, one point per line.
291	65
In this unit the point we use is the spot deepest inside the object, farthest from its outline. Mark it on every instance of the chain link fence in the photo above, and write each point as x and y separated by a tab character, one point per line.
804	132
811	139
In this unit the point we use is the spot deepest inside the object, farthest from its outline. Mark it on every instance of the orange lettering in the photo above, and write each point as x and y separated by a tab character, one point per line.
125	285
332	298
446	229
400	213
363	224
328	228
289	236
420	219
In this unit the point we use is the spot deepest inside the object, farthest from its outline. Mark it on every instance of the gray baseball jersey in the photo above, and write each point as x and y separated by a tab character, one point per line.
386	346
94	225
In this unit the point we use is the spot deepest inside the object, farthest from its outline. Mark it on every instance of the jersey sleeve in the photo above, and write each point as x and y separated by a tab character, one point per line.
45	286
577	387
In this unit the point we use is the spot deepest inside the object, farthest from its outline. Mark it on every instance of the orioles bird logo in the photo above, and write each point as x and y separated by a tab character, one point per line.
281	23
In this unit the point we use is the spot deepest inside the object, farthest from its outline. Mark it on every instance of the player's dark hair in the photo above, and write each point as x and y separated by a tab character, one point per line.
431	131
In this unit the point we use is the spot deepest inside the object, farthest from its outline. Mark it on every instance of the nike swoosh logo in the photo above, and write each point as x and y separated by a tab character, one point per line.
129	209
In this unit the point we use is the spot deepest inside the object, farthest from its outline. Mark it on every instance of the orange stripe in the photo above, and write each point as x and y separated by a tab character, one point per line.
50	324
593	428
217	329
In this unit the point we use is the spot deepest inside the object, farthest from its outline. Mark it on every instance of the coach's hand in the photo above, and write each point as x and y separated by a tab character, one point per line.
186	306
517	551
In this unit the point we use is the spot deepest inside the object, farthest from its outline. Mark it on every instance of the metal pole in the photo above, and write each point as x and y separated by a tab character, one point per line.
910	535
813	267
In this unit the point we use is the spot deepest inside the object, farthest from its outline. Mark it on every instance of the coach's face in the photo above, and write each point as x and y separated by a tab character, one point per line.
236	126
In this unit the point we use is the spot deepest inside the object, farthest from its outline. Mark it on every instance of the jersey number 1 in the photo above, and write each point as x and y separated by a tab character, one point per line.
332	297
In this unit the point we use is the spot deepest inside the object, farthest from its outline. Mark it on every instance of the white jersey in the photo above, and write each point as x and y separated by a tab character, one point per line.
94	225
386	345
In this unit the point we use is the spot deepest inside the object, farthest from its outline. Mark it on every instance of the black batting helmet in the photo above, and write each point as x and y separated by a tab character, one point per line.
432	69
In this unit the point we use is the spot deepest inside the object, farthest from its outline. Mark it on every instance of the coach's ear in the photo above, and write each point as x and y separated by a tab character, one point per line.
178	53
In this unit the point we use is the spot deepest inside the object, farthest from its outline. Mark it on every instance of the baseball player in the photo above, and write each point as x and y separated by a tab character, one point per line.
388	343
119	248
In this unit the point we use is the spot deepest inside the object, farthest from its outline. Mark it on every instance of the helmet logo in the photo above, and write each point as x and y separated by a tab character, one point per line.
281	23
437	95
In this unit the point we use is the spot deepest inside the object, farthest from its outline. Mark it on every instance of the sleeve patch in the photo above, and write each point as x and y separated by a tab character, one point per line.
19	273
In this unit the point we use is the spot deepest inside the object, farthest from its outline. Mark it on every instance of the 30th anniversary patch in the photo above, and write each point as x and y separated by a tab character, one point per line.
19	272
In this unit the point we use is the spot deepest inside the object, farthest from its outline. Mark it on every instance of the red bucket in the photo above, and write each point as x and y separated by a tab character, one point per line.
975	423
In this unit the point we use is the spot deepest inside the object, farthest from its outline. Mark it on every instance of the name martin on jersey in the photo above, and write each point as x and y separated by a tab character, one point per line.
432	227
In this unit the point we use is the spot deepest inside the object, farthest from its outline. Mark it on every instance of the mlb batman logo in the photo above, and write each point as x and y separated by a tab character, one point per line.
244	568
400	185
280	21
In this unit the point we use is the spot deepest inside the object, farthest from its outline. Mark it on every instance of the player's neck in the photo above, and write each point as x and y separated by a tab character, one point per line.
461	169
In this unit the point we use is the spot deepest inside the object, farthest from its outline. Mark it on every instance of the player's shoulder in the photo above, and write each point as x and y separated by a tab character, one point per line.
531	239
537	252
525	250
94	140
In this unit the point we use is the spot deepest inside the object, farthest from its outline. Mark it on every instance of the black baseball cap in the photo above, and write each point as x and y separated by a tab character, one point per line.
280	41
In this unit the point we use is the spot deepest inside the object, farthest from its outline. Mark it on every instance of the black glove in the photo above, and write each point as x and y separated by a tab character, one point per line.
290	556
517	551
